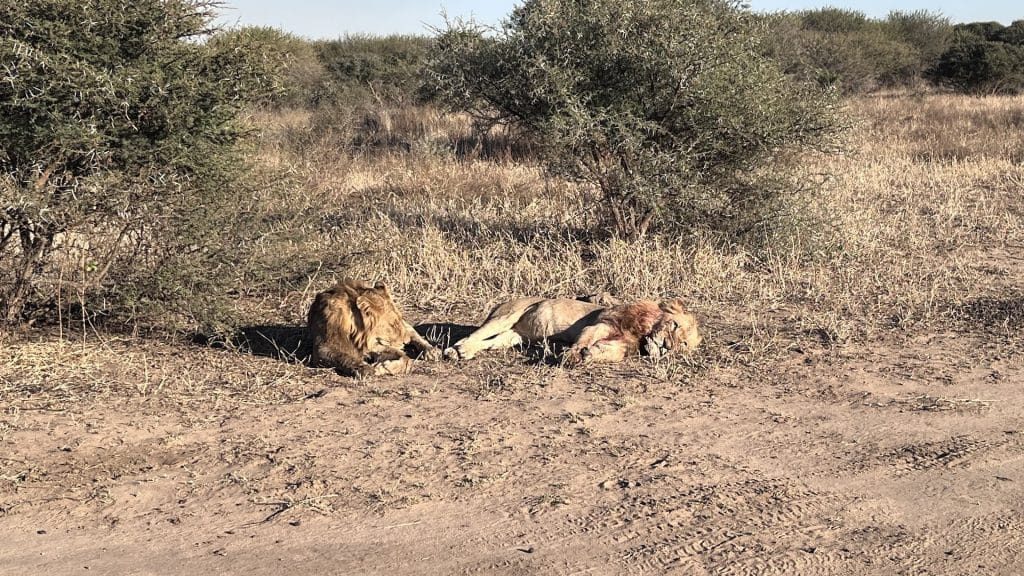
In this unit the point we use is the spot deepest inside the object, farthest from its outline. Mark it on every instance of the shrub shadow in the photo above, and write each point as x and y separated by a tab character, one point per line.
992	313
548	355
465	230
470	229
497	148
285	343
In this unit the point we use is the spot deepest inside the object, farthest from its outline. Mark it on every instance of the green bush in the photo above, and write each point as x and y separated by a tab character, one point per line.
667	107
300	73
835	21
1013	34
991	31
929	33
367	69
855	54
926	36
118	133
860	61
975	65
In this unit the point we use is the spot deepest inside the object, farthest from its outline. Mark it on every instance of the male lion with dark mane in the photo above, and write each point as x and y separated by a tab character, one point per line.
356	329
596	333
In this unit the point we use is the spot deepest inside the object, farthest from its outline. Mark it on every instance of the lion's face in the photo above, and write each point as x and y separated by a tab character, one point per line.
382	321
356	328
678	329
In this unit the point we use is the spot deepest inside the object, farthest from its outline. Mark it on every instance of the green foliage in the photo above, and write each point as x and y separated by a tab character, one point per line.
1013	34
926	36
991	31
835	21
361	69
861	61
846	49
118	124
928	32
666	106
296	60
976	65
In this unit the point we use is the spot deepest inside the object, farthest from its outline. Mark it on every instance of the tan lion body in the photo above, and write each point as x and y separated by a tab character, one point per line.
597	333
356	329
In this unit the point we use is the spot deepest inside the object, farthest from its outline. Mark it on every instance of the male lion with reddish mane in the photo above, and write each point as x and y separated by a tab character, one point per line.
596	333
356	329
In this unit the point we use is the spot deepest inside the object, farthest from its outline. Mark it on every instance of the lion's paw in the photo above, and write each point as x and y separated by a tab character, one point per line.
574	357
431	355
652	348
395	367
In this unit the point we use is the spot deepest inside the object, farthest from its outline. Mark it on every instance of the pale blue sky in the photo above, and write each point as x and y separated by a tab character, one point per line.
324	19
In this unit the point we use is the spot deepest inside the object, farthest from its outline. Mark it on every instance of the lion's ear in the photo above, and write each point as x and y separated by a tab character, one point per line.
674	306
382	289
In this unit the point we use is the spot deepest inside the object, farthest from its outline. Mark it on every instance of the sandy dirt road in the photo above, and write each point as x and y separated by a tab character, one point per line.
903	457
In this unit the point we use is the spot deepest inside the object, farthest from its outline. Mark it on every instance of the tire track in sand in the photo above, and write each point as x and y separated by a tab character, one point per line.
663	525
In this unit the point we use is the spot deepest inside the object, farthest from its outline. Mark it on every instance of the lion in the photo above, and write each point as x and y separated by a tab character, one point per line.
596	333
647	327
356	329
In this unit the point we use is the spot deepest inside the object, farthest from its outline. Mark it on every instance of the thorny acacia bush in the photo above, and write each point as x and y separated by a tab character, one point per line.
667	107
118	133
362	69
300	73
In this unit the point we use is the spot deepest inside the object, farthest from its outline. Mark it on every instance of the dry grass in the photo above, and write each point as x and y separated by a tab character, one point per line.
927	183
51	374
918	222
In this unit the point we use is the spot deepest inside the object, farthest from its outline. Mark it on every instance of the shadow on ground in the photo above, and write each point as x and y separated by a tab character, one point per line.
288	343
444	334
992	313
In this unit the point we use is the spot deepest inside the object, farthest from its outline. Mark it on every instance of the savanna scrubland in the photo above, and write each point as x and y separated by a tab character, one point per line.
854	408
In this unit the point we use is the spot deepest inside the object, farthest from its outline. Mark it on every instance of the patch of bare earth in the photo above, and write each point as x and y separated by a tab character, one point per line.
883	458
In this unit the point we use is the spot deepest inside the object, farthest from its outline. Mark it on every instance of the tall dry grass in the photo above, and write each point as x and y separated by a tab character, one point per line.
900	231
919	223
920	217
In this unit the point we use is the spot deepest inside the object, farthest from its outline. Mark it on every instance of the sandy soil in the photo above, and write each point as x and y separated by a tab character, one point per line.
903	456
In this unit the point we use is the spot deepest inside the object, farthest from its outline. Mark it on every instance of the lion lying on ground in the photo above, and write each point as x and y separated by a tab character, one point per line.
596	333
356	329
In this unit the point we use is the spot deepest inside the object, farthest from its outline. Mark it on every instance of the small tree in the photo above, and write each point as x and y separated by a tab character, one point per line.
301	74
117	124
926	35
362	69
666	106
975	65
